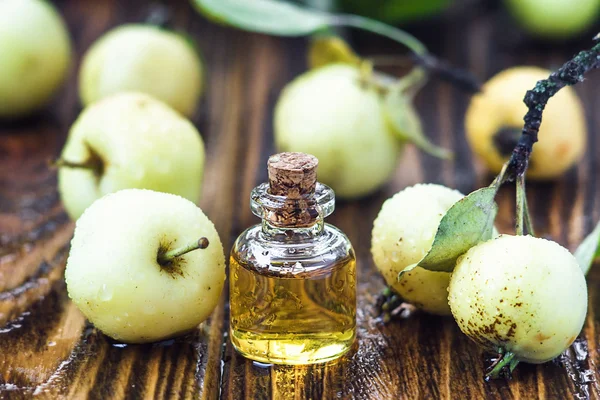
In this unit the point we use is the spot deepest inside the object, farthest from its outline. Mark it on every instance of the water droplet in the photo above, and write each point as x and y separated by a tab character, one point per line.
149	309
162	166
427	236
140	277
105	293
138	173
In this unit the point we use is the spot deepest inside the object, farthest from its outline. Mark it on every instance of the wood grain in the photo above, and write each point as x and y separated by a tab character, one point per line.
48	349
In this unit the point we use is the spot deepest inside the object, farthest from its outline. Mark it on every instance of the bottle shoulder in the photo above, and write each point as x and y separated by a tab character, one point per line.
290	258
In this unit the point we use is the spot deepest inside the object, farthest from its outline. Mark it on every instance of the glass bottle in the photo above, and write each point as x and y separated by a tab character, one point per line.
292	277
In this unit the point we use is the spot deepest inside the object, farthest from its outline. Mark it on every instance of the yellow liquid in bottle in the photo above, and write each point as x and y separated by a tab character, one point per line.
293	318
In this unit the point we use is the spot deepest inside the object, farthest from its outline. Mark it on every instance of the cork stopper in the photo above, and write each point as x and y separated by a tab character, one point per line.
292	174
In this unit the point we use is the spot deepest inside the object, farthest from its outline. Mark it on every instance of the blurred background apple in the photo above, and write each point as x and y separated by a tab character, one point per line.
555	19
143	58
35	53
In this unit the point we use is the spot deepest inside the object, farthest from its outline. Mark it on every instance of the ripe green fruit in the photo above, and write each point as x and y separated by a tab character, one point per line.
332	113
402	235
35	55
129	140
121	275
557	19
143	58
494	121
522	294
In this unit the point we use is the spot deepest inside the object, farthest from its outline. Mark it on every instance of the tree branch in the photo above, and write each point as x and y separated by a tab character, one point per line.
536	99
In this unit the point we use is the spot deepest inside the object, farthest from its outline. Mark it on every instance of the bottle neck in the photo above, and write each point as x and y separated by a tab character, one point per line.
292	220
293	233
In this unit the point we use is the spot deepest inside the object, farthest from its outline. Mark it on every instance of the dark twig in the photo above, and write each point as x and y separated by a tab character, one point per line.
461	78
159	15
569	74
387	304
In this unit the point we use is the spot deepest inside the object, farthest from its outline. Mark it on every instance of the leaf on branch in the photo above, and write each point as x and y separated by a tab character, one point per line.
468	222
264	16
405	121
589	250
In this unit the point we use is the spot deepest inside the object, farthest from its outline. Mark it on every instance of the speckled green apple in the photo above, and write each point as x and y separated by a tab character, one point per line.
521	294
143	58
332	113
35	54
403	233
129	140
124	274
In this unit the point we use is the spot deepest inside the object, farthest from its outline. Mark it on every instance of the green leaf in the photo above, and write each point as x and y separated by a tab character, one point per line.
405	121
265	16
395	11
325	5
467	223
588	250
407	269
287	19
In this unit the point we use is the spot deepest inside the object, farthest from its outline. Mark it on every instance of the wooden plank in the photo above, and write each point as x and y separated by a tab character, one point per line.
46	347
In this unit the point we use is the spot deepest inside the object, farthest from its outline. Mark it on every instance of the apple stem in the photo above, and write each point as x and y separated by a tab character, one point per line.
503	366
167	257
90	164
420	54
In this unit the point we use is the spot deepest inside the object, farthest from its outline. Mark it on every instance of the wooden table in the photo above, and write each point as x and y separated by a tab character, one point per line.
47	348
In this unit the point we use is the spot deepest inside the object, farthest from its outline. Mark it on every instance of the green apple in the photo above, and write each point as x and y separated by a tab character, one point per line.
145	266
559	19
332	113
143	58
521	294
402	235
35	54
129	140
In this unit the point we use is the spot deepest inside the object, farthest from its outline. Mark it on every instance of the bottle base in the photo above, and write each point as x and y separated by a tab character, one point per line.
292	350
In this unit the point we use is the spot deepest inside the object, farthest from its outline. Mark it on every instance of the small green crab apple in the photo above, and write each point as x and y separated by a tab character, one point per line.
522	296
145	266
129	140
402	235
35	54
334	114
556	19
143	58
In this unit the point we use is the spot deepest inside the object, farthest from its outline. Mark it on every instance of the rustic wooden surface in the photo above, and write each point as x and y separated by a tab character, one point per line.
46	347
